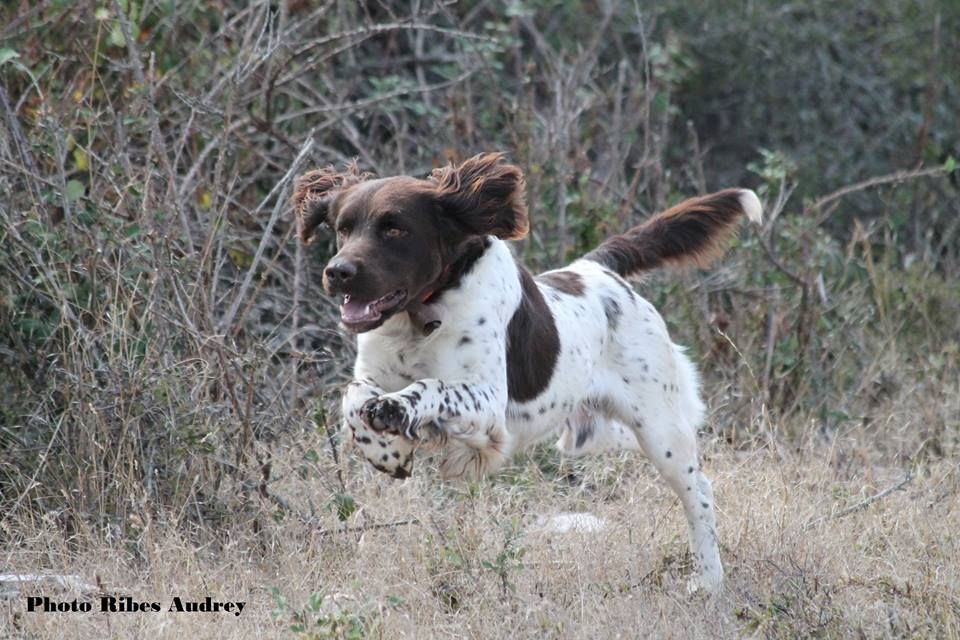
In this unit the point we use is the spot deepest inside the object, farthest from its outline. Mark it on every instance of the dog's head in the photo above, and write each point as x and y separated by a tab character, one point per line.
397	237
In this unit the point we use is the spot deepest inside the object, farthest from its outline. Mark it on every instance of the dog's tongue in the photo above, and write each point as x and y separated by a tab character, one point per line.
354	311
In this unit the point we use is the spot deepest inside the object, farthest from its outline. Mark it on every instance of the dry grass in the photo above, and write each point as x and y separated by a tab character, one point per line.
477	561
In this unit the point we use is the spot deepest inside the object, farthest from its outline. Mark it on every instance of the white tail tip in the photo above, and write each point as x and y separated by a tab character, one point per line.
751	205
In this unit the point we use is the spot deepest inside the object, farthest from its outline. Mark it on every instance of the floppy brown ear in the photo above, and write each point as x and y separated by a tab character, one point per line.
485	195
314	191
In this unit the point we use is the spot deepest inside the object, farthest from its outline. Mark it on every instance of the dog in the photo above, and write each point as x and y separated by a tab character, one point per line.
460	348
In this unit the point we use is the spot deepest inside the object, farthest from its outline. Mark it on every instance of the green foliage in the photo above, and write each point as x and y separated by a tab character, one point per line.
842	86
315	620
775	170
7	55
510	558
344	505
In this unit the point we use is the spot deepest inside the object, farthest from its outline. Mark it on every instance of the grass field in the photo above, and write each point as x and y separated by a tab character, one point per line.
821	541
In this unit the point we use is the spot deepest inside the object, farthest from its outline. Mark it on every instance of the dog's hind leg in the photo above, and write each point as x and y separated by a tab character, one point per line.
589	432
670	444
664	410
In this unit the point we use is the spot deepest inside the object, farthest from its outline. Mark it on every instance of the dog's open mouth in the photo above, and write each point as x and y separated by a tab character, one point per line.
362	315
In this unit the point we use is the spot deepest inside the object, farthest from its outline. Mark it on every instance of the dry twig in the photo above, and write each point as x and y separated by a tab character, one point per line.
863	504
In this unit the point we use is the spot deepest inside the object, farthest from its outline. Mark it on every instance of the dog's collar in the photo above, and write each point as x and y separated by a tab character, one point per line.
424	316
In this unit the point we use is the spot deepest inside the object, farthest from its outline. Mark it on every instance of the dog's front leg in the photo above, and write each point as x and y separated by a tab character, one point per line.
469	416
387	451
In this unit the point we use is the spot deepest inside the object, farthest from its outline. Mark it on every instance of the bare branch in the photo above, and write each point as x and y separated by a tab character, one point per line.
891	178
863	504
281	203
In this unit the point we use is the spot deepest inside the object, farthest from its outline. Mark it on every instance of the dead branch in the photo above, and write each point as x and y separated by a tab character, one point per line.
863	504
891	178
279	207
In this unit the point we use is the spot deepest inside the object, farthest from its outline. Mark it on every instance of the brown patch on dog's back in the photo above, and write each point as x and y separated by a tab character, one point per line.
568	282
533	343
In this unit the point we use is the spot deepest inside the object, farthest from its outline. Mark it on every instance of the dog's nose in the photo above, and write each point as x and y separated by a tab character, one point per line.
339	272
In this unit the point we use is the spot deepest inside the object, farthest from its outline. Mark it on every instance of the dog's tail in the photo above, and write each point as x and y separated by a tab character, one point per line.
695	232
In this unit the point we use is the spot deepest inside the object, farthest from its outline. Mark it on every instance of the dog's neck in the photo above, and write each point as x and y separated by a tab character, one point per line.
425	315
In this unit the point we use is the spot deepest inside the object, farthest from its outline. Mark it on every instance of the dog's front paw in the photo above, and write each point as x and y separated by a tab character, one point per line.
387	414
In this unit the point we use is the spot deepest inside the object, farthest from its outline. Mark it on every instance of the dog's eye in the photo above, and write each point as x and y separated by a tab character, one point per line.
393	231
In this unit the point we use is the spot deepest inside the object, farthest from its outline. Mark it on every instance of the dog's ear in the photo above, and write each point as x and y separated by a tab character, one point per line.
314	192
485	196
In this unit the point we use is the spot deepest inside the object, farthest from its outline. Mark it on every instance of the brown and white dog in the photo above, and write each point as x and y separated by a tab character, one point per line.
460	347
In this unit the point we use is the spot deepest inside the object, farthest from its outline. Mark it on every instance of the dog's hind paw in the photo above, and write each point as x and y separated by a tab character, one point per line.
706	583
